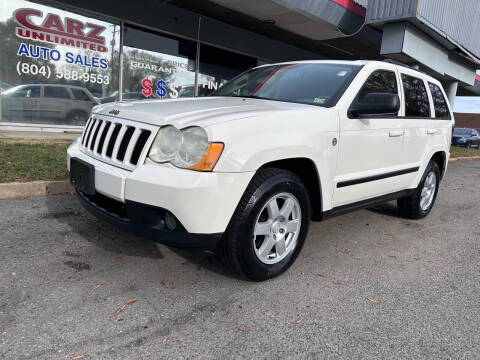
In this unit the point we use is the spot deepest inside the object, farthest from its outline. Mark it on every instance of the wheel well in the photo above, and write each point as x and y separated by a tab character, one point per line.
306	170
440	158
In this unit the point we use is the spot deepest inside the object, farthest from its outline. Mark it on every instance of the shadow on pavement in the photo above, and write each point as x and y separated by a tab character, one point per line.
389	209
106	236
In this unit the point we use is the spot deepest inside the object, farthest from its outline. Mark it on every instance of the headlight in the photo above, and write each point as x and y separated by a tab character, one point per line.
166	144
194	146
187	148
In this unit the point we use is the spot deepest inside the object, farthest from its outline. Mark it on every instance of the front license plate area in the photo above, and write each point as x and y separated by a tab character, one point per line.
82	176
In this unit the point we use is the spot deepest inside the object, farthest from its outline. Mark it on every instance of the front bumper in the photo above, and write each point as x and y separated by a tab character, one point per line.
146	221
201	202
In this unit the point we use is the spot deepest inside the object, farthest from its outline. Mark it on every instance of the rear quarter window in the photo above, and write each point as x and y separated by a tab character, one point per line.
439	102
79	94
55	92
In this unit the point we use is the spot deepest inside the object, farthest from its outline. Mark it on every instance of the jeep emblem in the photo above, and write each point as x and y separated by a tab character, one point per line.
114	112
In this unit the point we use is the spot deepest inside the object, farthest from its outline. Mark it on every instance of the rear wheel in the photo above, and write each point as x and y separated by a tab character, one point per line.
269	226
420	202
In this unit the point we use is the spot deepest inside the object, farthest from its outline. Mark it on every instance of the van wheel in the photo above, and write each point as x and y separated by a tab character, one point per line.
420	203
269	226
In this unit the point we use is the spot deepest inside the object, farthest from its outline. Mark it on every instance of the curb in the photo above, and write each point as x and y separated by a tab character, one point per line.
467	158
19	190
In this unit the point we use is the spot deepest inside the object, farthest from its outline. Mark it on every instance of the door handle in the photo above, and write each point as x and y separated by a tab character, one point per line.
432	131
396	133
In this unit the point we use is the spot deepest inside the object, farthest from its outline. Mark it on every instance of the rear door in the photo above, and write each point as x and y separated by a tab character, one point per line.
369	153
56	102
427	119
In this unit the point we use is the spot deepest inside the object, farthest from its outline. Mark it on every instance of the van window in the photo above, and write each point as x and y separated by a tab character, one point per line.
79	94
416	97
56	92
439	102
25	92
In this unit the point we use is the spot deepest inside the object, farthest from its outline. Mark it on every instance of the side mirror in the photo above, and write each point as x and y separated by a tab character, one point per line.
375	104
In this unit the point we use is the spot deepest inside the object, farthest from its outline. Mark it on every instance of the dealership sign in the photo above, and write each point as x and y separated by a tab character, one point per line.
67	32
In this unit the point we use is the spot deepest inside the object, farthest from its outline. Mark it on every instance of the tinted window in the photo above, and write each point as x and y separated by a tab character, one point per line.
56	92
460	131
80	95
416	97
26	92
379	82
33	92
314	84
441	108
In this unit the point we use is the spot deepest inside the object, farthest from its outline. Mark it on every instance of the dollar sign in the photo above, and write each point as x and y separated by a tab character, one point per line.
162	91
146	84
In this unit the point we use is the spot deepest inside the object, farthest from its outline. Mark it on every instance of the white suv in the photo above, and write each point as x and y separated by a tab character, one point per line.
245	170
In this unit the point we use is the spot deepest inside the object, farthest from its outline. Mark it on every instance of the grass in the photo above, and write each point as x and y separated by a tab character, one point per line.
23	161
457	152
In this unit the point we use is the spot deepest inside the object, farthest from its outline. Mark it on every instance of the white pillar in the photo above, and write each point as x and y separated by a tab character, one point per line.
451	90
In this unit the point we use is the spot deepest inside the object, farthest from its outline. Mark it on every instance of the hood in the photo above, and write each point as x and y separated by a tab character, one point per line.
195	111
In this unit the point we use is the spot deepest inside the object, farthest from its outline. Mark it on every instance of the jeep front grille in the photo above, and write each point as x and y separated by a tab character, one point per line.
119	142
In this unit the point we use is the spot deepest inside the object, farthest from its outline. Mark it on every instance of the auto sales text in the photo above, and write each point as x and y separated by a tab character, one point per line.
46	53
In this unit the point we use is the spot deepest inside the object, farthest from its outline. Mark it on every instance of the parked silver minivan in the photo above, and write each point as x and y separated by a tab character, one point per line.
47	103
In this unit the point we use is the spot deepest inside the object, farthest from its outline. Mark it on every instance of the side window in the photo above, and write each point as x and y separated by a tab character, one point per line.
33	92
381	81
56	92
416	97
441	108
80	95
27	92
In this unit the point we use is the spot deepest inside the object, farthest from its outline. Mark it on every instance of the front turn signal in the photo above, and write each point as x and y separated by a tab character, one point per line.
210	158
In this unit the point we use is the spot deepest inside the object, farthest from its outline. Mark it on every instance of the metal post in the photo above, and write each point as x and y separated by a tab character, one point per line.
120	55
197	59
451	90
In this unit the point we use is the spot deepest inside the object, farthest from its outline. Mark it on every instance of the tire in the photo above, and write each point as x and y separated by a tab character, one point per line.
412	207
242	248
77	117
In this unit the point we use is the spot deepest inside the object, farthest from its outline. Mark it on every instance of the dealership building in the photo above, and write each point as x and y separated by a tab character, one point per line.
60	58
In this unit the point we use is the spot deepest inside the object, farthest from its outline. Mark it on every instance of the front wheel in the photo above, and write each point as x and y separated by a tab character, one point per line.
420	202
269	226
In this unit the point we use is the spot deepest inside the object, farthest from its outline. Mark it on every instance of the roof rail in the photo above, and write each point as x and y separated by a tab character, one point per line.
390	61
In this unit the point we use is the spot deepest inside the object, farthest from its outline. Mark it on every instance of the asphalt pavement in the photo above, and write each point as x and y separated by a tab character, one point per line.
367	285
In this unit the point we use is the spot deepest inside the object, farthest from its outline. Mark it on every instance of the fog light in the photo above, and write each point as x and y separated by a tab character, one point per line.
170	221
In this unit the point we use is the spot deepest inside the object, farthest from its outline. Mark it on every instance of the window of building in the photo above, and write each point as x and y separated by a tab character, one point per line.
379	82
439	102
217	66
52	57
416	98
56	92
156	66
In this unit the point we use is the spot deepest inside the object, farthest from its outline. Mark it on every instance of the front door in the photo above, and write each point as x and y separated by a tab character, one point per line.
369	154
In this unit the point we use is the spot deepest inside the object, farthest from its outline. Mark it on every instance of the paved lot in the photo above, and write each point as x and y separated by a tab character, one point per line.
62	273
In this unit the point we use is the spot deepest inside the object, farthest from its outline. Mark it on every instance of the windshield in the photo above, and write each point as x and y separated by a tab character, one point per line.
313	84
462	132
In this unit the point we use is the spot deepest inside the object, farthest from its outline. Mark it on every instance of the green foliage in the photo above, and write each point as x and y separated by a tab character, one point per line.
456	151
30	161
